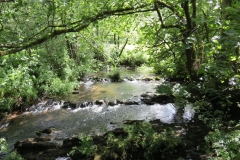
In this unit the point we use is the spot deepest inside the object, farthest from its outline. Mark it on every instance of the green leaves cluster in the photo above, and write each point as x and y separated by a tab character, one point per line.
87	146
44	71
138	141
142	141
25	24
10	155
223	144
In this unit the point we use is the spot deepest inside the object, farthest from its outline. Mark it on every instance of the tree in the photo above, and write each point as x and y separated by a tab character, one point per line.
30	23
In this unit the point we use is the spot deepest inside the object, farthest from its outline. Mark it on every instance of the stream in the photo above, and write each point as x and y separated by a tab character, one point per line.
94	119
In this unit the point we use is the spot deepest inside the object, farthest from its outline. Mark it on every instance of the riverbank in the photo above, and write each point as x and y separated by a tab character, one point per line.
187	141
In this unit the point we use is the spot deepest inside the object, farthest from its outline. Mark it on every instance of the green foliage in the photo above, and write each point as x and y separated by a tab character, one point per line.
134	58
139	141
87	146
17	83
224	145
180	93
167	66
143	140
11	155
165	88
3	145
45	71
145	69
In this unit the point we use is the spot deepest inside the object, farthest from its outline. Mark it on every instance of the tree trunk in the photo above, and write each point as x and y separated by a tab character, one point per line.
191	62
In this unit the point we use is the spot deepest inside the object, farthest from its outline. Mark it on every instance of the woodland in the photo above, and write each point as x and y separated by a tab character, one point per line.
46	46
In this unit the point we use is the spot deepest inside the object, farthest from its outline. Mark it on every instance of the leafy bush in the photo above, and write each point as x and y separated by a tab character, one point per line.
26	75
87	146
173	70
133	58
179	92
10	155
138	141
224	145
142	141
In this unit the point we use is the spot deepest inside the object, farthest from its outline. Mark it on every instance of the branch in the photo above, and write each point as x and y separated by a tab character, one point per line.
187	14
206	25
163	4
91	44
74	27
159	14
6	1
156	3
123	47
1	29
194	12
133	12
43	39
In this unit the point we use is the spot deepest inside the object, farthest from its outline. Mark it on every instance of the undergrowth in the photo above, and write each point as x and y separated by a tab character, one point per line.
138	141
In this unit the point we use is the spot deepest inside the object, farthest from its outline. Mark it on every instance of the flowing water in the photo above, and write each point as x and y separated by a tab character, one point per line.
92	119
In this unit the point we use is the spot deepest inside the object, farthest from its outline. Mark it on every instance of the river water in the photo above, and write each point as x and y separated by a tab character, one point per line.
93	119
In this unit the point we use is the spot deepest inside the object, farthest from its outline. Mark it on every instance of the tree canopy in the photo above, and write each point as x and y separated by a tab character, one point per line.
46	46
25	24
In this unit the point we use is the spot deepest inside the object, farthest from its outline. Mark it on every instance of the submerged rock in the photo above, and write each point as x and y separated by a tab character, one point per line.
70	142
100	102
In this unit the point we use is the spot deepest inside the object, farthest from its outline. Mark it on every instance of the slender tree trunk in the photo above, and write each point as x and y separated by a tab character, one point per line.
191	62
123	47
190	50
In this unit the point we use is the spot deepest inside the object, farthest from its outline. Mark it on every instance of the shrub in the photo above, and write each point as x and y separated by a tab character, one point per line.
10	155
133	58
142	141
87	146
224	145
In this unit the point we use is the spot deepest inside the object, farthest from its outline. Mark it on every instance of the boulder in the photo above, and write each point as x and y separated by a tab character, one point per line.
71	142
131	102
47	147
32	145
99	102
69	105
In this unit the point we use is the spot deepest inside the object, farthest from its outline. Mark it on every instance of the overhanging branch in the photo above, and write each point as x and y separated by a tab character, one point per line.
74	27
6	1
158	4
